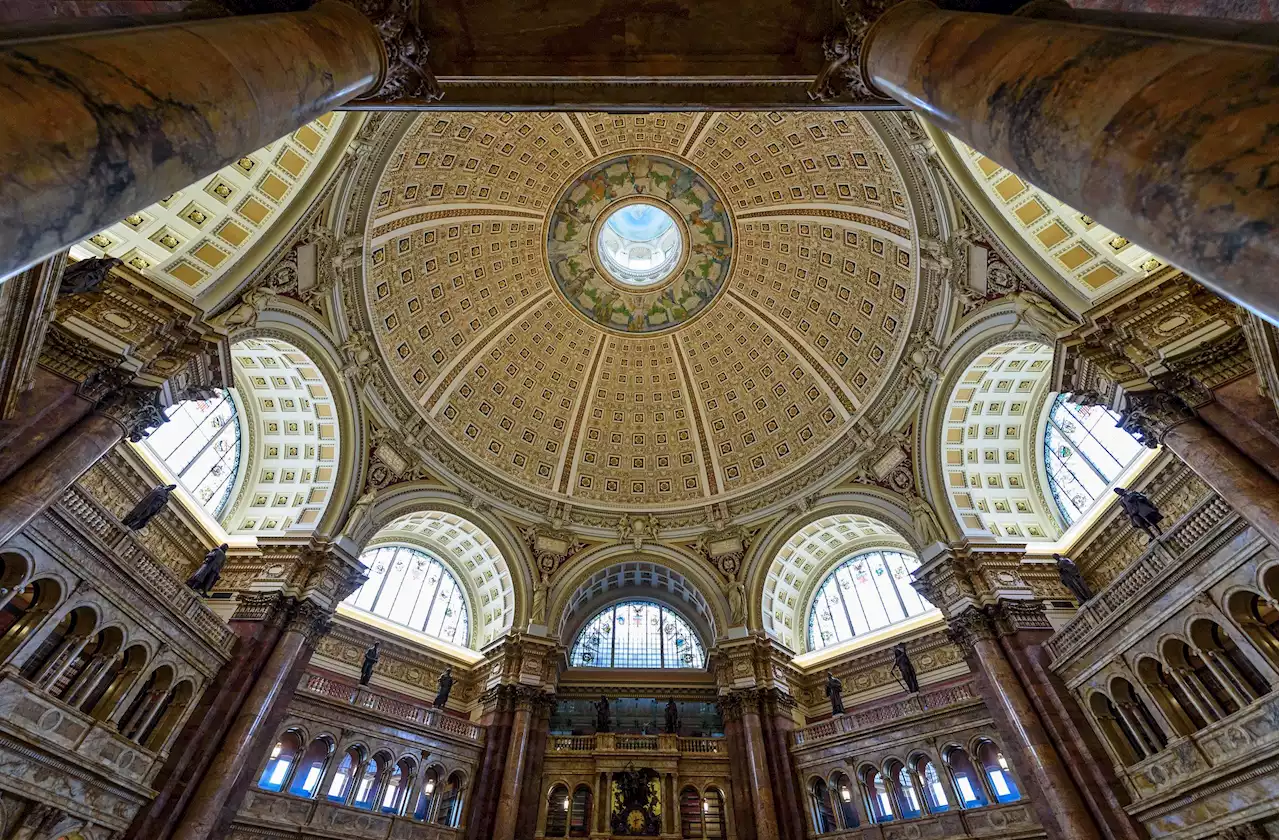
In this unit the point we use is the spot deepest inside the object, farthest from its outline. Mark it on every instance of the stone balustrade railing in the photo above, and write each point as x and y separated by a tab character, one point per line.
1150	567
364	698
914	704
80	508
616	742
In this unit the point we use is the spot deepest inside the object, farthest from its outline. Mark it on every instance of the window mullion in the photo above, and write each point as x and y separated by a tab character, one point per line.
431	608
892	580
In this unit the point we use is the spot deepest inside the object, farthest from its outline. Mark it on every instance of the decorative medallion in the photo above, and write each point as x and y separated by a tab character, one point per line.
640	243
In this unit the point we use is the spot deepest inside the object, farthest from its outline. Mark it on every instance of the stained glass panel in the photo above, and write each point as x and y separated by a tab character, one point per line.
410	587
866	592
1084	453
637	634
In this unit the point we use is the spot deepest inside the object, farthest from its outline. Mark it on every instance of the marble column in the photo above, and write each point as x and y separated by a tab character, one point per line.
498	703
788	798
244	743
42	480
539	733
98	125
1050	788
513	775
1204	702
755	764
1164	139
1242	484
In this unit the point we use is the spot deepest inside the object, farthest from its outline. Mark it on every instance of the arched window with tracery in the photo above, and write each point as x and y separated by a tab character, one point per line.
558	804
344	779
879	803
1085	451
998	773
370	781
306	779
283	754
905	791
868	591
200	445
396	790
968	785
410	587
637	634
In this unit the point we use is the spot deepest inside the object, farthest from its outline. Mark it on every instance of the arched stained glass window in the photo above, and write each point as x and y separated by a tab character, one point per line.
201	447
637	634
866	592
1084	452
410	587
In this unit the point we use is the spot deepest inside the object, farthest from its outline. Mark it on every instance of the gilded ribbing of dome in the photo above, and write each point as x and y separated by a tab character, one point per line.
785	316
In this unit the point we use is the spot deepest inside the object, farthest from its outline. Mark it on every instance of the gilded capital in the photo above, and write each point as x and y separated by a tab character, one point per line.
969	628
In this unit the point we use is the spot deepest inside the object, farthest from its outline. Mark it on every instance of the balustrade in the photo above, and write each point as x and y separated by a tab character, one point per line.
364	698
913	704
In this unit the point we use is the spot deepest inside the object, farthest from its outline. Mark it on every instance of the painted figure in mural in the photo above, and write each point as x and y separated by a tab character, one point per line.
206	577
833	691
1143	512
673	717
602	714
86	275
443	686
370	659
1072	578
906	670
147	507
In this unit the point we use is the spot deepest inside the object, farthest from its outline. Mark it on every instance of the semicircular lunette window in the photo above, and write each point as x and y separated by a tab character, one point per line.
639	244
637	634
1085	451
866	592
412	588
200	445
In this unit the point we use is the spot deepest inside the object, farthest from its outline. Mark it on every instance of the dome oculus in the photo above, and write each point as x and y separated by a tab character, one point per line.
640	243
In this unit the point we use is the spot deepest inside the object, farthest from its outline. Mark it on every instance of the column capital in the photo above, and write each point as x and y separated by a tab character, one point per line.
844	50
406	79
1011	617
969	628
136	409
310	619
1150	415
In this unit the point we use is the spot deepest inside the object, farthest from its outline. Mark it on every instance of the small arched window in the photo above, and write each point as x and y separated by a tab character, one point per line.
998	773
343	780
558	805
1085	450
845	808
423	811
200	445
394	793
637	634
879	804
968	786
410	587
935	792
306	779
824	819
283	754
370	780
450	810
866	592
908	799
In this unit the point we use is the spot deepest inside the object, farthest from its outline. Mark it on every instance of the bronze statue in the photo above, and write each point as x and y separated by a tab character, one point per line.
833	691
443	686
1072	578
673	717
1142	511
86	275
906	670
206	577
147	507
602	714
370	659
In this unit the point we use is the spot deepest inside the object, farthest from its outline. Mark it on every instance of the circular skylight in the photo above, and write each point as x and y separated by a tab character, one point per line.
639	244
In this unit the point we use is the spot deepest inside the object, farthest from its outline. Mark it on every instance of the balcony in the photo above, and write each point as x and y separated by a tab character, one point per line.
380	704
317	818
610	742
910	706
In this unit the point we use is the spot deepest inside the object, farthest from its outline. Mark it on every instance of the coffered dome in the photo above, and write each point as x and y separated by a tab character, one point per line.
647	310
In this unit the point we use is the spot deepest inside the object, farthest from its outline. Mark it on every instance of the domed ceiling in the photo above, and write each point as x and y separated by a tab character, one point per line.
646	309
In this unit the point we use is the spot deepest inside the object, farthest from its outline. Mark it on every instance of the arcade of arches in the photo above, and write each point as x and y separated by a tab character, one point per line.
549	460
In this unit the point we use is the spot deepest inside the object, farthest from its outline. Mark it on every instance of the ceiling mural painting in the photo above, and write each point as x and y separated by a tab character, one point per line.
642	310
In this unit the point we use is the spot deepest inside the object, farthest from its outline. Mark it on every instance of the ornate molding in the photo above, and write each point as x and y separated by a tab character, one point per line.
408	79
844	50
309	619
969	628
1150	415
137	410
261	606
1010	617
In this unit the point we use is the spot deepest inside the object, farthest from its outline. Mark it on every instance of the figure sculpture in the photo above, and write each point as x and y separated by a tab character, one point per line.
370	659
906	670
672	717
1072	578
1037	313
1142	512
833	691
443	686
206	577
602	714
86	275
737	603
147	507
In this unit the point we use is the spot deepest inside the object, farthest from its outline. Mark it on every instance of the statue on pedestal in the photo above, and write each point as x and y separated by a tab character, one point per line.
443	687
1143	512
206	577
370	659
833	691
906	670
147	507
602	714
1072	578
86	275
673	717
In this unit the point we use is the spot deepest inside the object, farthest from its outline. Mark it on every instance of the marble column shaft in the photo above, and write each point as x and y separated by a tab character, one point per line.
761	784
788	798
1052	792
99	125
488	781
1242	484
42	480
203	813
530	795
513	775
740	795
1166	140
